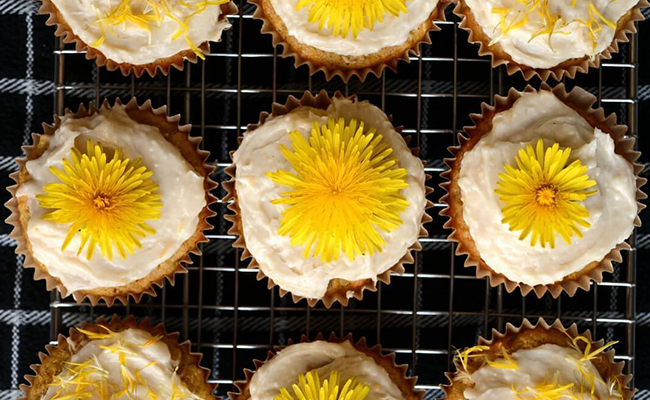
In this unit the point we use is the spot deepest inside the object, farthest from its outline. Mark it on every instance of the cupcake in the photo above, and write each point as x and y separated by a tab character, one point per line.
339	368
538	362
549	37
140	35
543	191
347	38
120	359
328	198
110	201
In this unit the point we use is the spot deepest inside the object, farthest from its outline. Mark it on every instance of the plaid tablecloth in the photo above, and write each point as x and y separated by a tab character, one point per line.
26	100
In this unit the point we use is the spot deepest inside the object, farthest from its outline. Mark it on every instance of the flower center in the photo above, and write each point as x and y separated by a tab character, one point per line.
101	201
546	196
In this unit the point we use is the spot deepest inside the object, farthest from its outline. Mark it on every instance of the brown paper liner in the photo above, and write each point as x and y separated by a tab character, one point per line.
582	102
397	373
338	288
569	68
179	136
52	363
332	64
55	18
528	336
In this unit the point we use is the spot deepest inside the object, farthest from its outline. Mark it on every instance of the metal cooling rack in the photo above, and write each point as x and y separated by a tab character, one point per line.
437	305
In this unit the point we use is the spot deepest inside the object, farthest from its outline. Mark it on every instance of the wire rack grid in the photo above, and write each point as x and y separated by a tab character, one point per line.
426	313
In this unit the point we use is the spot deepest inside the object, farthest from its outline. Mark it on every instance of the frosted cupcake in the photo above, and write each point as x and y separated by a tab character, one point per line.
347	38
538	362
110	201
120	359
542	194
340	368
319	221
549	37
140	35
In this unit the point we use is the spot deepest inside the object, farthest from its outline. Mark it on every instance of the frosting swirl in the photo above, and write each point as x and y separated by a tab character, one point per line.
577	28
549	367
612	210
131	364
284	263
128	42
323	357
180	188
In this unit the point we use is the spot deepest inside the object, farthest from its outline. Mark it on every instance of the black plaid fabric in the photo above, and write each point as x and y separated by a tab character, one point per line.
247	314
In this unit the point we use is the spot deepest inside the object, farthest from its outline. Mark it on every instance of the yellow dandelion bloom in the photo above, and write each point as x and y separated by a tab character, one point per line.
310	387
542	196
341	16
106	202
345	189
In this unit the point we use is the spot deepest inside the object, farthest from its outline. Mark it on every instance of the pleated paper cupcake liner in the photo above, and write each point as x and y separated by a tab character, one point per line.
339	290
332	64
567	69
582	102
179	136
529	336
53	361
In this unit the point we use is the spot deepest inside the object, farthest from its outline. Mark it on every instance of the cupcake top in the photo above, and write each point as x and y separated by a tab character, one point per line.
548	371
320	361
327	194
109	200
141	32
322	24
544	34
544	193
128	364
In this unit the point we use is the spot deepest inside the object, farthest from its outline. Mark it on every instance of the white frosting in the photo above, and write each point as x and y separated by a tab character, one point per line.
180	188
323	357
159	376
611	211
536	366
536	53
128	43
279	260
392	31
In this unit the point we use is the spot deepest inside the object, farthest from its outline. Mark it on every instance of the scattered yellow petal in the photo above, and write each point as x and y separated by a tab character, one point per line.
547	391
508	364
465	355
